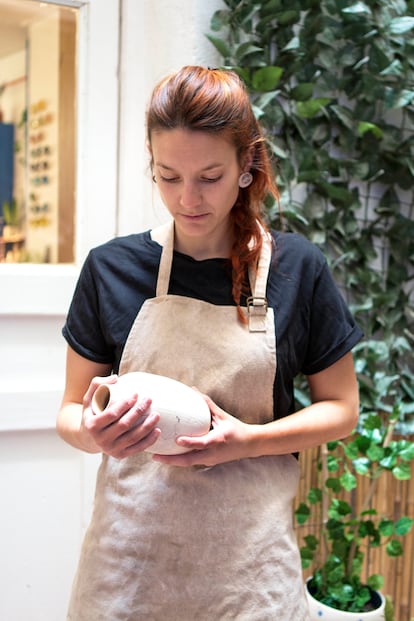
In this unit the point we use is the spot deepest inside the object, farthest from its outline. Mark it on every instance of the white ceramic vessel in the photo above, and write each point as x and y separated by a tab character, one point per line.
183	411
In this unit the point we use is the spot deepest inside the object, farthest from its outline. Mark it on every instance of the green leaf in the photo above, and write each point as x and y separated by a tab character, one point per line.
302	91
388	462
339	509
402	472
351	450
363	596
344	115
314	495
272	6
376	582
287	18
394	68
394	548
406	450
400	25
348	481
267	98
337	192
311	541
398	99
359	8
375	453
332	463
294	44
302	513
334	484
364	127
220	45
309	109
386	528
367	529
266	78
258	112
362	465
306	556
403	526
245	49
332	445
219	20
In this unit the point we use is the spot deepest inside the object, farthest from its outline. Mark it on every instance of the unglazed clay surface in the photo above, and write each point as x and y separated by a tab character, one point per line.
183	411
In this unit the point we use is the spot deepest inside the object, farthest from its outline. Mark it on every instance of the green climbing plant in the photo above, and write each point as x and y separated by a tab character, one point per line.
332	83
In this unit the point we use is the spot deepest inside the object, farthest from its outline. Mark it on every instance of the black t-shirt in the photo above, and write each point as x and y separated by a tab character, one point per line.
314	328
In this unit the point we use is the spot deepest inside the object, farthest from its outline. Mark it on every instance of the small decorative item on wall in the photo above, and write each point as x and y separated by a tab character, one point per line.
40	164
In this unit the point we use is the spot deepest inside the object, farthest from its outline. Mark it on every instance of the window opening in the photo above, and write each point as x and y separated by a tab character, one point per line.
37	132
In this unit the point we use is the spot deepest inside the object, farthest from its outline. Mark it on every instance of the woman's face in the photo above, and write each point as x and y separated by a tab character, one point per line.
197	175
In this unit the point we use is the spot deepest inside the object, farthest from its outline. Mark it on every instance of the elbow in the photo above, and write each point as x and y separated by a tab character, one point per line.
351	416
60	426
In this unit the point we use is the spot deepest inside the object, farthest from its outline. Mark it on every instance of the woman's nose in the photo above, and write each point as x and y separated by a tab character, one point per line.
190	194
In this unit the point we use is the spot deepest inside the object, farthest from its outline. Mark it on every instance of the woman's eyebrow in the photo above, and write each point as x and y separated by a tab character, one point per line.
209	167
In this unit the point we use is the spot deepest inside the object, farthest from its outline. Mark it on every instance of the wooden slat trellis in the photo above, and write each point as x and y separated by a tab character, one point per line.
394	498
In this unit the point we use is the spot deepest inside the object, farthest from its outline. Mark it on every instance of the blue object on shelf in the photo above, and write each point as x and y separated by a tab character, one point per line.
6	164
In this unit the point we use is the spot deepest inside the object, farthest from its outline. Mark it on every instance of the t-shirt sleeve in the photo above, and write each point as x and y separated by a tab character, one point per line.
333	331
82	329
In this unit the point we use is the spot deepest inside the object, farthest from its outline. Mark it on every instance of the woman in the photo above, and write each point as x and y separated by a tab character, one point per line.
213	300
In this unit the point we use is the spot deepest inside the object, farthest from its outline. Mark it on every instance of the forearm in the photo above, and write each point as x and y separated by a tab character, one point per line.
332	415
69	427
320	422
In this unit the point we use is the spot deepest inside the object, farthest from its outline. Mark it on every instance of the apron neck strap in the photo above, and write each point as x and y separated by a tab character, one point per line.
165	237
256	303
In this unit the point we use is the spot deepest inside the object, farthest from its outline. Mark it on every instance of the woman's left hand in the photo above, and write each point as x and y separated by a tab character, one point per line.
228	440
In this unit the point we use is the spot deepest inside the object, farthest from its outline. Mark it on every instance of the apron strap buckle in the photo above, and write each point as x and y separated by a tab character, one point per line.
257	311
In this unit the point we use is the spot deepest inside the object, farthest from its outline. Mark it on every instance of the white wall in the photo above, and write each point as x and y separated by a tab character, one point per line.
46	487
41	524
159	37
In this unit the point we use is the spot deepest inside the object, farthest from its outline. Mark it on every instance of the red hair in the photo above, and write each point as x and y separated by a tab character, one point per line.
216	101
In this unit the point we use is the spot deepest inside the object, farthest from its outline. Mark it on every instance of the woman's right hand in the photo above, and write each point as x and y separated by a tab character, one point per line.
123	428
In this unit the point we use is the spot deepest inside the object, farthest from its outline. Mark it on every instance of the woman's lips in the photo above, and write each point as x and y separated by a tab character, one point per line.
194	217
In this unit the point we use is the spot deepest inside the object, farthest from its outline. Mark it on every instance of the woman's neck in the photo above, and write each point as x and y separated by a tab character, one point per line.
201	249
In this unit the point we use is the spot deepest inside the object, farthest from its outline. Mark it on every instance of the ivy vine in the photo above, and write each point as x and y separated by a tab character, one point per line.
332	83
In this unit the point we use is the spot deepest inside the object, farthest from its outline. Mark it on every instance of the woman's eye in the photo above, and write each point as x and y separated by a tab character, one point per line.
202	179
211	179
169	179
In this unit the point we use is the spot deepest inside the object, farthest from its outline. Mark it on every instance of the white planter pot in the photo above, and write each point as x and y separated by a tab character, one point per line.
321	612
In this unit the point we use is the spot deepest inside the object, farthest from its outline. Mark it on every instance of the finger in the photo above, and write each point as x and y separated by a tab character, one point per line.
120	451
112	430
95	423
95	383
127	414
117	438
126	411
195	443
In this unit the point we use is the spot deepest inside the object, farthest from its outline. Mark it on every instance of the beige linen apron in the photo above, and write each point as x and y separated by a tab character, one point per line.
196	544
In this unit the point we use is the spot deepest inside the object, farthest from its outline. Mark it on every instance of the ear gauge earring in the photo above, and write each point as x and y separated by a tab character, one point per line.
245	179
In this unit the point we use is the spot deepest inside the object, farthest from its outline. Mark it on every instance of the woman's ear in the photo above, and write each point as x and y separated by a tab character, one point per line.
246	160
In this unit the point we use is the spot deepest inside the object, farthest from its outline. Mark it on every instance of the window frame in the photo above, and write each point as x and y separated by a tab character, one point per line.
45	289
